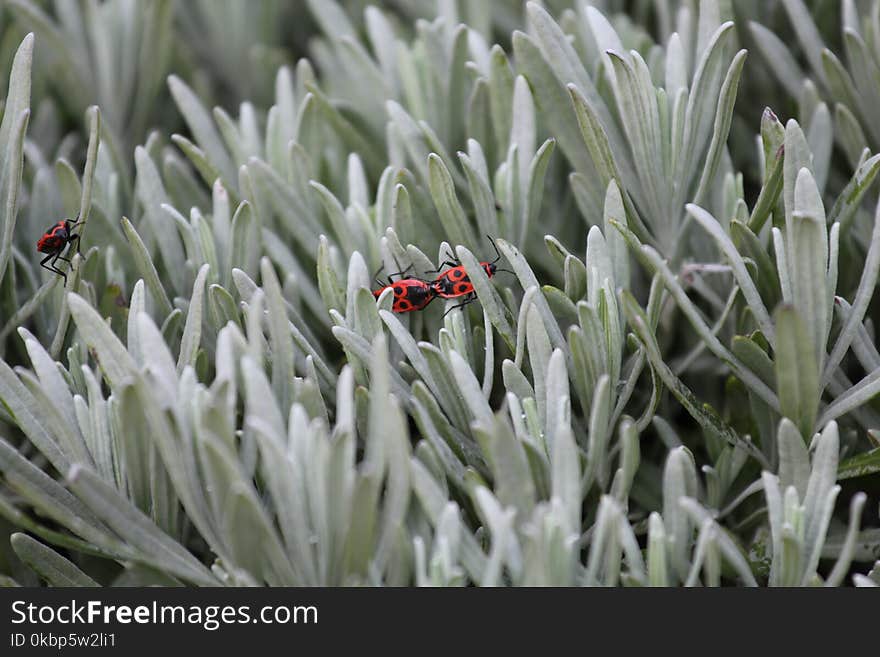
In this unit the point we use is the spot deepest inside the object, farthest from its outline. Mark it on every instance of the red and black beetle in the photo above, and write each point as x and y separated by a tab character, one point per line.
54	241
454	282
409	293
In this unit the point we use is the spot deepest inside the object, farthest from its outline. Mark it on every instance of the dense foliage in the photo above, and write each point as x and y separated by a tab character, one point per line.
673	383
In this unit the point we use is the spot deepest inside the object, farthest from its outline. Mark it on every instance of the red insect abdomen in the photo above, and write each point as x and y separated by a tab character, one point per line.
48	243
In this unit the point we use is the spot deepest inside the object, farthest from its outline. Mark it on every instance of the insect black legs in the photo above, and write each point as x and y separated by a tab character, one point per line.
398	273
51	266
447	262
469	299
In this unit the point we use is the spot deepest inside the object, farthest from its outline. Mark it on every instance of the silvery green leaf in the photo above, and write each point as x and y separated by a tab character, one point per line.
552	99
26	310
693	315
46	562
566	477
52	499
679	480
603	32
513	483
279	335
522	130
749	246
57	391
821	491
850	133
598	264
797	157
721	127
702	413
528	279
534	190
442	446
179	460
851	398
794	460
332	291
613	210
657	551
860	465
114	360
603	562
255	547
245	239
637	107
470	390
192	330
487	295
18	96
153	546
85	207
16	113
146	268
807	33
778	56
600	433
221	307
629	455
433	501
575	275
10	182
722	540
269	190
842	565
501	87
336	215
740	272
559	52
481	193
515	381
779	250
808	261
202	126
539	358
864	293
152	195
450	397
500	524
797	375
820	139
449	209
702	98
558	403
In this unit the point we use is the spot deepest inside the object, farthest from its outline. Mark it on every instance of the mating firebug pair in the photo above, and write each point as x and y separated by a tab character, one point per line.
415	293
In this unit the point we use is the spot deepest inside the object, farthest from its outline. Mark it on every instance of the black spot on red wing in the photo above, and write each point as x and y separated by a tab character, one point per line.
456	273
463	288
399	291
402	306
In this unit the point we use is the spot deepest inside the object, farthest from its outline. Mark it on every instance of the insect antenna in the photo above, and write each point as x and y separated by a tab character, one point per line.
497	252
